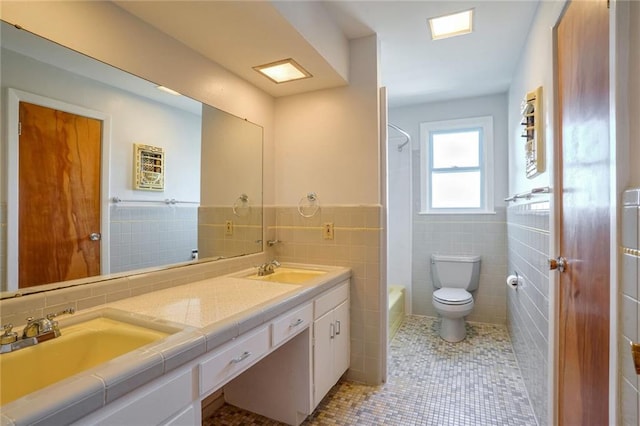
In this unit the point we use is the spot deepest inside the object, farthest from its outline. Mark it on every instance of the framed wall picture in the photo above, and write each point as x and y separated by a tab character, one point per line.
149	167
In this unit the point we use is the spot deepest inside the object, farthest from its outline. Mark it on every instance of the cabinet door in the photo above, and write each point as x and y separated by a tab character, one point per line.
323	371
187	417
341	343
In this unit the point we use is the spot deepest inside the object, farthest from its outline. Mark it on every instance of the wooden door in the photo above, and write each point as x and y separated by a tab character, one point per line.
583	90
59	195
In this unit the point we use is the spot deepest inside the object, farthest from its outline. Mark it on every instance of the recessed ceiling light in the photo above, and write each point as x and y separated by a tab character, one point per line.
451	25
166	89
283	71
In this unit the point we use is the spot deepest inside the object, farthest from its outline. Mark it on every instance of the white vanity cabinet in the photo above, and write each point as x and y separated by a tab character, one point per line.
331	342
288	384
166	400
281	369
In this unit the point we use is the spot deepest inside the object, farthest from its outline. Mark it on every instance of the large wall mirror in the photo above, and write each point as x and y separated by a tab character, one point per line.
101	173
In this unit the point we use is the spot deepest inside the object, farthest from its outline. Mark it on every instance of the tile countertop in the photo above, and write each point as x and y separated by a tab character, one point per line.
210	312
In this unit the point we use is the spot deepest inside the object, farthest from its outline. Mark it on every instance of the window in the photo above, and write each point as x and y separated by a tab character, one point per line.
457	166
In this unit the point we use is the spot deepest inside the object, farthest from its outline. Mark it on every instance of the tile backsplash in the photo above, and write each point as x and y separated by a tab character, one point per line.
15	310
223	231
629	300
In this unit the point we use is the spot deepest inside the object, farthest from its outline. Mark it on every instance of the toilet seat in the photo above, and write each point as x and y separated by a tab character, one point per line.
452	296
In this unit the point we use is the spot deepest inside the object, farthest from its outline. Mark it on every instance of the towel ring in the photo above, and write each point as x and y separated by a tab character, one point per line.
309	202
241	203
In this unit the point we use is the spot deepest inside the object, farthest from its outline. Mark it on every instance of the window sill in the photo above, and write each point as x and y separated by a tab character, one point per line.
454	212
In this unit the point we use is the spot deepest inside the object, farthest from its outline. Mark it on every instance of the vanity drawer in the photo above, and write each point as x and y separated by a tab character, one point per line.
229	361
291	324
331	299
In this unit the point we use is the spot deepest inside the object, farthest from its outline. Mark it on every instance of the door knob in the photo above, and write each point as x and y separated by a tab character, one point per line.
559	263
635	354
95	236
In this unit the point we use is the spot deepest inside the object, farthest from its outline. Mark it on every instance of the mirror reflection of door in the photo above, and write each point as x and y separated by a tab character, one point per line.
59	201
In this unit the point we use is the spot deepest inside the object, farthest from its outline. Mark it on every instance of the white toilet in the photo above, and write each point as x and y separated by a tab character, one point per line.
453	278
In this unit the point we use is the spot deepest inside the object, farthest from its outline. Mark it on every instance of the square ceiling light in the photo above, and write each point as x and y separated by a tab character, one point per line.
283	71
451	25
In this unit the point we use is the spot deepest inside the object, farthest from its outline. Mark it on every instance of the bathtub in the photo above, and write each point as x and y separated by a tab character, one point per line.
396	309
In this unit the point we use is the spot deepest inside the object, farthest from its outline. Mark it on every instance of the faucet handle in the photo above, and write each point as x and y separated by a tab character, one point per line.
31	328
70	310
8	336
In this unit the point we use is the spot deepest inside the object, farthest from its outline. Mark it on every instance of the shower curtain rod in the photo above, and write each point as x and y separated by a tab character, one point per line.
405	134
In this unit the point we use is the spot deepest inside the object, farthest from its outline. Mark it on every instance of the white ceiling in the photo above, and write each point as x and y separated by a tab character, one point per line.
241	34
416	69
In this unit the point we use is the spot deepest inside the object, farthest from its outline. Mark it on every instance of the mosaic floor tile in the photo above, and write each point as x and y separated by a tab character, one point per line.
430	382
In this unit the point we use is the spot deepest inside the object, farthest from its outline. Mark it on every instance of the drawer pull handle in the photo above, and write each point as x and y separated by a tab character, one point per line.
241	358
332	330
337	327
297	323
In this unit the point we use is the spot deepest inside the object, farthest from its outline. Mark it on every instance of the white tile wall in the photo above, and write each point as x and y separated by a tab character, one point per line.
143	237
479	234
630	308
528	307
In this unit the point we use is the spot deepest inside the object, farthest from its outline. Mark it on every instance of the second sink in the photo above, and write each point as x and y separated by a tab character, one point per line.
289	275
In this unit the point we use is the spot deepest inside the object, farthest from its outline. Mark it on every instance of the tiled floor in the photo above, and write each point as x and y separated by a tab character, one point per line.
430	382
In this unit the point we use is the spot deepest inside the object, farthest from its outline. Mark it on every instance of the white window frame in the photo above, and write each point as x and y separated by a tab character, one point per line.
486	163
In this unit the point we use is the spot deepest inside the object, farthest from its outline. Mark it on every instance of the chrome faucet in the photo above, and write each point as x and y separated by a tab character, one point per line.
44	328
36	331
268	268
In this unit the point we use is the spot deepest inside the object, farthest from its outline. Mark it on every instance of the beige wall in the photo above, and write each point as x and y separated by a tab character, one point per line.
328	142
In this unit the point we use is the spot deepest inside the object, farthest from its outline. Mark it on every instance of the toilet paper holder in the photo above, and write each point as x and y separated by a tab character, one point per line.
513	280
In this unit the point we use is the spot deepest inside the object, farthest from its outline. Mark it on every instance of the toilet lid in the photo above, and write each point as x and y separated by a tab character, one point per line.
452	296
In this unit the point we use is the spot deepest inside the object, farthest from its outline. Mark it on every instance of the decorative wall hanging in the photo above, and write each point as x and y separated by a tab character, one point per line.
148	165
533	133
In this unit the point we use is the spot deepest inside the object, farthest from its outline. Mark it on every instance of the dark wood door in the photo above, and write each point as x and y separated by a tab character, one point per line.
583	90
59	195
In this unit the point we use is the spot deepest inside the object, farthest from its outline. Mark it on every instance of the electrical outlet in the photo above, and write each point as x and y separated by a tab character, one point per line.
228	227
327	231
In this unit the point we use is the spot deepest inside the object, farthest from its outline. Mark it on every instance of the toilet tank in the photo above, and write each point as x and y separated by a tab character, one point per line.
455	271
